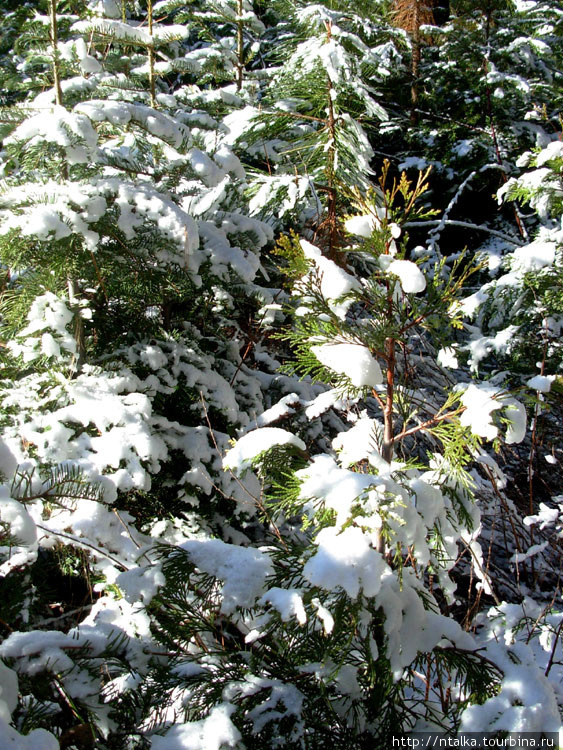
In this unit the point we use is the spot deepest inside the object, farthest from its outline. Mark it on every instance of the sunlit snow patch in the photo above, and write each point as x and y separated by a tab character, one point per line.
353	360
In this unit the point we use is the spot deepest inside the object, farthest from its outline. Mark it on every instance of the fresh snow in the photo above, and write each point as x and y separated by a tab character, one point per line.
480	401
410	276
254	443
353	360
215	732
226	562
541	383
345	561
335	283
362	226
447	357
288	602
534	256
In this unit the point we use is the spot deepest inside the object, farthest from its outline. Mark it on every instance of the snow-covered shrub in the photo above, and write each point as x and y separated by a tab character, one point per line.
489	83
528	297
516	317
309	132
522	639
335	634
163	585
128	312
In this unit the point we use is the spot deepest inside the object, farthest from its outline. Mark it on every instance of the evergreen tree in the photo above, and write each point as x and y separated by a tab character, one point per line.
489	94
322	626
310	128
252	498
126	248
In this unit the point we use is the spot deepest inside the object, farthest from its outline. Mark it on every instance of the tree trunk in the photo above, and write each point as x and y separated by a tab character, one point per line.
71	283
152	76
240	45
415	65
54	43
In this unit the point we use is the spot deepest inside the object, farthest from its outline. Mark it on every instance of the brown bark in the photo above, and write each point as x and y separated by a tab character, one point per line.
388	436
410	15
54	43
152	75
332	218
72	287
240	46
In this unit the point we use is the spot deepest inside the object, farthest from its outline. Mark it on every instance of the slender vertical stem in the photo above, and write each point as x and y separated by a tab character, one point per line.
80	356
488	19
553	649
390	346
388	436
72	285
330	168
331	190
54	43
152	76
499	155
240	45
415	65
534	445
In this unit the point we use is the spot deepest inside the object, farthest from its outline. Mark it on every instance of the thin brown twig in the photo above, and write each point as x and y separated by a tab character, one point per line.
542	614
82	543
503	503
430	422
552	654
98	274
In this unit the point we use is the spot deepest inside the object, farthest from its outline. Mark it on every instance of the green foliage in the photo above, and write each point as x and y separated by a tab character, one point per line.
61	481
288	248
138	342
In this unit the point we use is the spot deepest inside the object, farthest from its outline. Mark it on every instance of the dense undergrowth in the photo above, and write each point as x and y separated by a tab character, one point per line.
281	372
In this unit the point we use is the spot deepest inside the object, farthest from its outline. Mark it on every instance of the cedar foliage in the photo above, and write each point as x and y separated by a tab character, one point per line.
280	377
